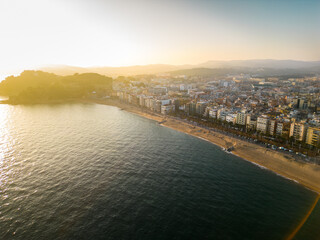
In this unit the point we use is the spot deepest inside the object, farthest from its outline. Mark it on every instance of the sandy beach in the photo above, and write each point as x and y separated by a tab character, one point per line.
281	163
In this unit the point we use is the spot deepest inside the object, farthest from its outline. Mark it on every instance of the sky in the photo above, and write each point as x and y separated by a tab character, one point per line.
88	33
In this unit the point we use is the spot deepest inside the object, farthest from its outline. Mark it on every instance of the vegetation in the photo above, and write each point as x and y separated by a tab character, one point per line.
38	86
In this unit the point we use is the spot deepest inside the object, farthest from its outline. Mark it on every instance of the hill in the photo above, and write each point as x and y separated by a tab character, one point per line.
39	86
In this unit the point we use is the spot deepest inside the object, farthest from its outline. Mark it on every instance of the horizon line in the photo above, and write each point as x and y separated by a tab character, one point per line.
15	72
182	64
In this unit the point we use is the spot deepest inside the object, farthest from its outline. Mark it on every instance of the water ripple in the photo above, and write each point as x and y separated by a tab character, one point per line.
94	172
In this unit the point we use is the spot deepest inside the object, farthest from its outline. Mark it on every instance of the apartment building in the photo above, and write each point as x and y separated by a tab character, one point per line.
297	131
313	136
262	124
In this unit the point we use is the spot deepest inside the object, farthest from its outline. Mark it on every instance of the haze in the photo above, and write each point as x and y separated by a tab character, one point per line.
126	32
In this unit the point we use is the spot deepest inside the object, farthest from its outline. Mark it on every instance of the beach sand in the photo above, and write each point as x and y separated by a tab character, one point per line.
281	163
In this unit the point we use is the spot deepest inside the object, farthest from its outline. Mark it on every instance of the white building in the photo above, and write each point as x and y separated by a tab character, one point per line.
262	124
231	118
165	102
166	109
212	113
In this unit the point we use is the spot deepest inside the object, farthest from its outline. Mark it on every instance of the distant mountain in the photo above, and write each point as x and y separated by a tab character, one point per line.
259	65
64	69
114	71
283	73
262	67
206	71
262	63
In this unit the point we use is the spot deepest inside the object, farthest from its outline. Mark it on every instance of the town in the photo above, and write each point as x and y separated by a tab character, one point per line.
282	113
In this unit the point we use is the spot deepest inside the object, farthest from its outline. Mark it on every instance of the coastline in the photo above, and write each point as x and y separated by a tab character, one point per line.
305	174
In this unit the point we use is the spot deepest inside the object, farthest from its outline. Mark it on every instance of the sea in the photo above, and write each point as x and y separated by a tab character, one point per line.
89	171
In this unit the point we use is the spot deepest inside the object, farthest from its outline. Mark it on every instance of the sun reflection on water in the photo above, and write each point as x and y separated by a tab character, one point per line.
4	145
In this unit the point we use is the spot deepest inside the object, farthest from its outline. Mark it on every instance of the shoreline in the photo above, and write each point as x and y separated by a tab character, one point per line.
282	164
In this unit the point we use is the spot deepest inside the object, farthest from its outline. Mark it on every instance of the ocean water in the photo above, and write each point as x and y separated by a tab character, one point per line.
87	171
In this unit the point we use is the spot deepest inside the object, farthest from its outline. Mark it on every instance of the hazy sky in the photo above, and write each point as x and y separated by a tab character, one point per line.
129	32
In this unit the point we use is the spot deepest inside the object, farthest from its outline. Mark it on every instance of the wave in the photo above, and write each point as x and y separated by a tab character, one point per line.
263	167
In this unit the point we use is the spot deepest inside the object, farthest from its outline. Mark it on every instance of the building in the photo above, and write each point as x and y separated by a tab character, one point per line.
252	124
165	101
166	109
248	120
176	103
221	114
231	118
300	103
191	108
201	108
242	118
141	101
153	104
297	131
262	124
279	128
313	136
212	113
158	106
148	102
272	127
